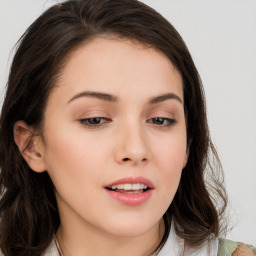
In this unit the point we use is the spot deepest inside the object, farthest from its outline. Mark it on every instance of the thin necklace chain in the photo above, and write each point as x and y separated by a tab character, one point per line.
61	253
58	246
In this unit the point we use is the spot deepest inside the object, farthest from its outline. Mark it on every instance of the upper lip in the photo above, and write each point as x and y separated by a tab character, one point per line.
132	180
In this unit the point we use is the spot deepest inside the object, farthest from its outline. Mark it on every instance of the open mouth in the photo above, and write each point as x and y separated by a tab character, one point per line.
129	188
131	191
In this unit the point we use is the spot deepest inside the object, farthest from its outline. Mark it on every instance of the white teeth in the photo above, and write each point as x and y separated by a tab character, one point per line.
126	186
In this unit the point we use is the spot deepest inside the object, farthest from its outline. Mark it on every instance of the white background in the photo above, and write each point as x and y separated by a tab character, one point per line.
221	36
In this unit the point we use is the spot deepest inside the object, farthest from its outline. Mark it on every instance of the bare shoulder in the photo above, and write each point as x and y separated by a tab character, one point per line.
243	250
232	248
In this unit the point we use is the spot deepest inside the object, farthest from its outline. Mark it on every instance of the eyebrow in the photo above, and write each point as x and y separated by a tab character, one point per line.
112	98
97	95
164	97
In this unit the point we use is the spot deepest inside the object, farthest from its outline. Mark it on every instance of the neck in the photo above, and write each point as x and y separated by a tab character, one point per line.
91	242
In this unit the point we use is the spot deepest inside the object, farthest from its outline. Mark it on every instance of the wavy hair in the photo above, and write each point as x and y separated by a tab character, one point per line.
28	209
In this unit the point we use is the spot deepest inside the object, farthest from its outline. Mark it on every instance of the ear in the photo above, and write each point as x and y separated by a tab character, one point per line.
30	146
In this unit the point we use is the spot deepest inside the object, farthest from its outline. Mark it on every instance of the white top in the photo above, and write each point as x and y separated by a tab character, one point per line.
174	246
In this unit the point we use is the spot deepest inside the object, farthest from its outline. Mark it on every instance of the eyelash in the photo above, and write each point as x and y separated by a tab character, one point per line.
164	121
97	122
94	122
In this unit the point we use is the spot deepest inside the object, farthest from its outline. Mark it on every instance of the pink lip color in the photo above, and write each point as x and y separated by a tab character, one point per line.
132	180
132	199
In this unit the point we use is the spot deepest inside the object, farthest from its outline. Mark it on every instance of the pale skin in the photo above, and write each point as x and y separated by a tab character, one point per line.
136	96
243	250
81	160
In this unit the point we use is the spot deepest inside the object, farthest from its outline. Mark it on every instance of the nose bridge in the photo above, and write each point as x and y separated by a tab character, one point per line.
132	144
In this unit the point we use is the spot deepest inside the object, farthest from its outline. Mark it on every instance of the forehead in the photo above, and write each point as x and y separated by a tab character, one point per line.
120	66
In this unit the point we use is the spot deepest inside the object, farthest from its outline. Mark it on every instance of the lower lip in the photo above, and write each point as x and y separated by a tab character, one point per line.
132	199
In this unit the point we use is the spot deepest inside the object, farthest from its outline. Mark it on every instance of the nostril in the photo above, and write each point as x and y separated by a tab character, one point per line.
126	159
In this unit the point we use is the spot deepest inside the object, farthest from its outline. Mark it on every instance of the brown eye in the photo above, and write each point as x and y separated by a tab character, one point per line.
158	120
94	121
162	121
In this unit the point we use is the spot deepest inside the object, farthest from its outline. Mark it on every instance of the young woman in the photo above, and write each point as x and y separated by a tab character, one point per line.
105	148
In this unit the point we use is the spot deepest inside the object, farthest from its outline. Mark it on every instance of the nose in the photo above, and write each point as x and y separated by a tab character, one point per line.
131	146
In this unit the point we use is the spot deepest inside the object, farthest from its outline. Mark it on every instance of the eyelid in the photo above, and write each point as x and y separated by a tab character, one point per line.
163	113
86	122
171	121
93	113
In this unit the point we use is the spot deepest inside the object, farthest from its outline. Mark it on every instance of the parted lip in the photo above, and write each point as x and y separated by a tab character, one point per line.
132	180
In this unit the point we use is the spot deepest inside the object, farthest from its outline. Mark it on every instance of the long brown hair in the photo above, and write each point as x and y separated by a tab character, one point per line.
29	213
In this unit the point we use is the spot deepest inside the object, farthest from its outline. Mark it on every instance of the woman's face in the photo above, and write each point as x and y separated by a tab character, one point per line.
115	137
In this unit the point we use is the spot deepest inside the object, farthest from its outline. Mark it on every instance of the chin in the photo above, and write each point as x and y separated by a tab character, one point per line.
128	228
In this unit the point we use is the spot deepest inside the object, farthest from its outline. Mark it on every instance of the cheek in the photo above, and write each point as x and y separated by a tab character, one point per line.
169	161
170	157
171	154
68	153
74	166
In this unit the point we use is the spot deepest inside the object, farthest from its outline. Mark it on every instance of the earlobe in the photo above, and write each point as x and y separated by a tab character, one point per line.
30	146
